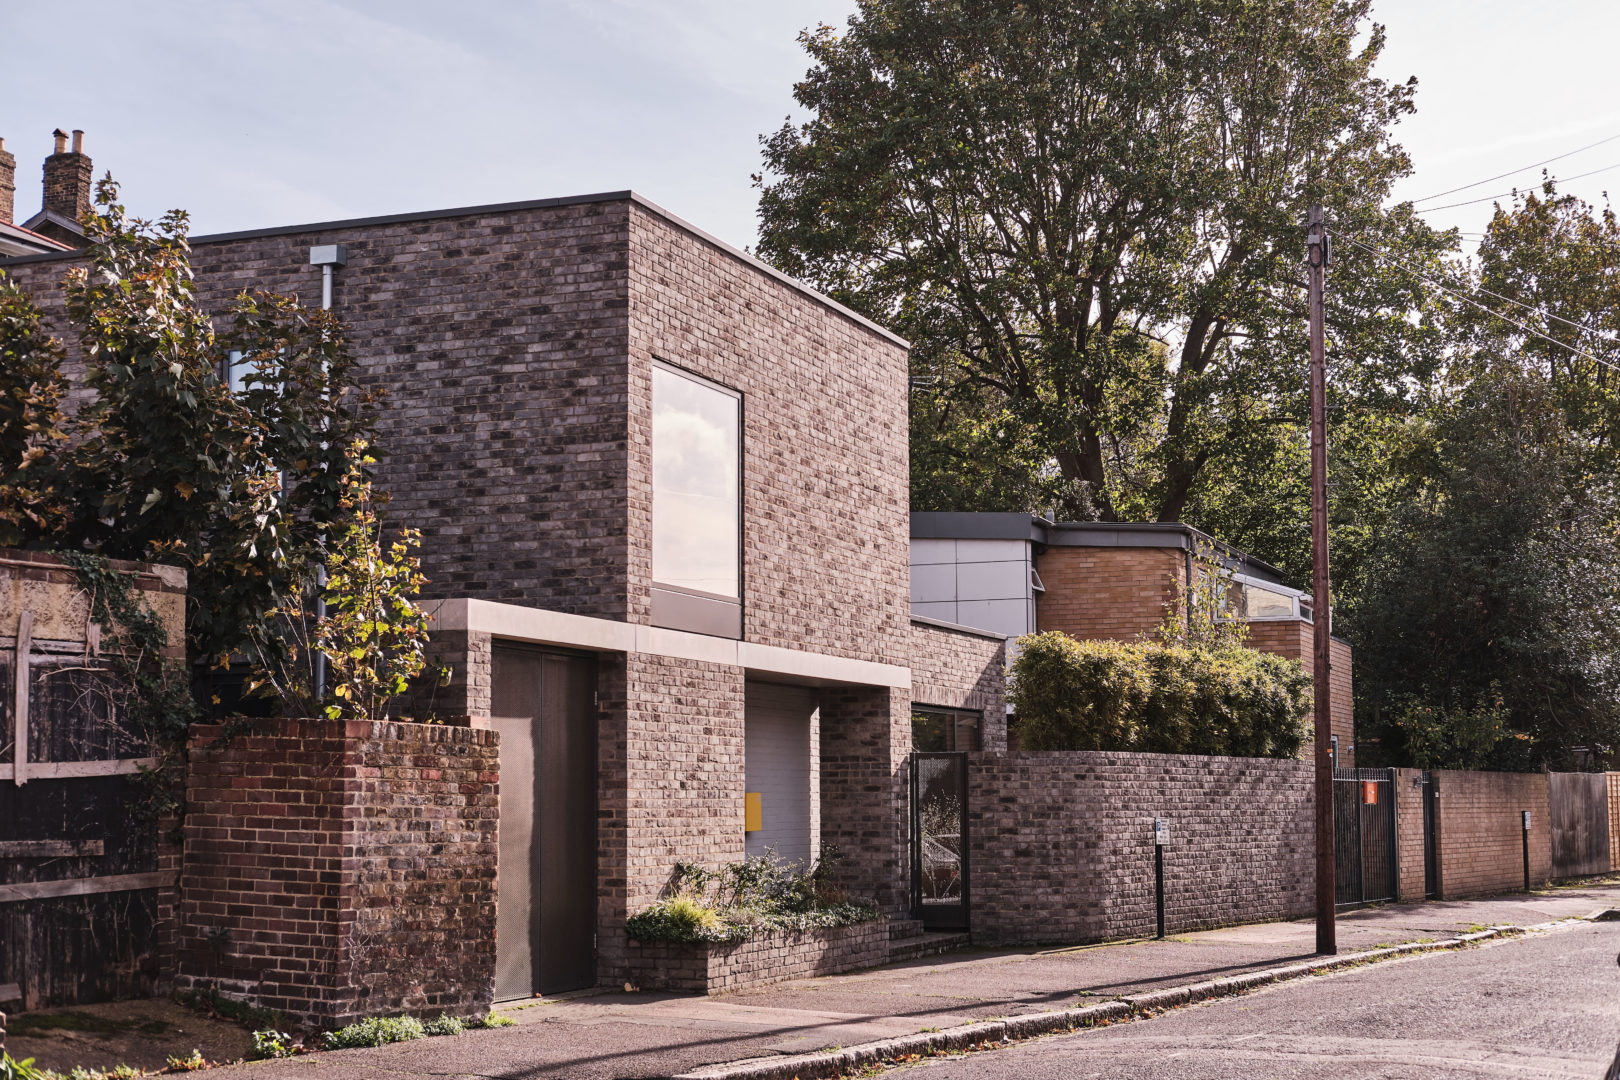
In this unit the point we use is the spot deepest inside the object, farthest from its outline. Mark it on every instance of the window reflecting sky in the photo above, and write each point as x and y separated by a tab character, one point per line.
695	485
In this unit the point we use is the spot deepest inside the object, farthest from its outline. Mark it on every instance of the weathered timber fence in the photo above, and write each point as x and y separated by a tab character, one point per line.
1578	814
86	884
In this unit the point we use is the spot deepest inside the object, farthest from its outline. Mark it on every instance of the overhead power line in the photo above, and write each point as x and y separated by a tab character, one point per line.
1482	289
1515	191
1523	168
1475	303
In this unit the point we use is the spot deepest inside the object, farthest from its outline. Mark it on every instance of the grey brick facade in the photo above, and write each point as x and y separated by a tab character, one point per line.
1062	843
515	346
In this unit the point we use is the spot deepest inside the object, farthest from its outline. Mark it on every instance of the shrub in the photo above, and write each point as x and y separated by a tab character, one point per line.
1158	698
376	1031
445	1024
759	894
493	1019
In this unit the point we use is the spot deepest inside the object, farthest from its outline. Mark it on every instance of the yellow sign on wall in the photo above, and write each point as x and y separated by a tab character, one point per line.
753	812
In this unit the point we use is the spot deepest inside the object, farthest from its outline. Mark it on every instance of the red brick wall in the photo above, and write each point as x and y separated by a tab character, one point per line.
1295	639
1614	819
1107	592
334	871
1410	879
1062	843
1479	833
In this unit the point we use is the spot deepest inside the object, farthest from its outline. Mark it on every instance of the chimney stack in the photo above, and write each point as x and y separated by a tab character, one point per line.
8	185
68	177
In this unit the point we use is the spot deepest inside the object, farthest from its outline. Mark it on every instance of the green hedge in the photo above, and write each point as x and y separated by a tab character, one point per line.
1167	699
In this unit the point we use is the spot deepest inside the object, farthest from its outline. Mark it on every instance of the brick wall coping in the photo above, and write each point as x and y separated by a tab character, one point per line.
958	628
202	735
517	622
508	208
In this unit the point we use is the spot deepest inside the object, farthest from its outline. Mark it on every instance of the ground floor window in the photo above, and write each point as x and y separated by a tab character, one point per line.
935	730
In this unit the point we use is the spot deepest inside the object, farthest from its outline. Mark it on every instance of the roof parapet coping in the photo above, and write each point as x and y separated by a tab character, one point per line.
626	195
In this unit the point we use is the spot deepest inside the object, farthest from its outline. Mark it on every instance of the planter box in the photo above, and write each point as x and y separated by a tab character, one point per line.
773	957
340	870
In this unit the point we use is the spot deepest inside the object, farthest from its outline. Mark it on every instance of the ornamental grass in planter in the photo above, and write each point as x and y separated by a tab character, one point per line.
752	922
744	900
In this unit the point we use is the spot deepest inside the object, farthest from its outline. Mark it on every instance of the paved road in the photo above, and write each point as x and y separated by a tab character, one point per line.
1543	1006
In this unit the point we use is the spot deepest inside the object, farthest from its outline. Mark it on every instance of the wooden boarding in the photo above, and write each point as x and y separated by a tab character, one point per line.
75	770
50	849
19	698
44	890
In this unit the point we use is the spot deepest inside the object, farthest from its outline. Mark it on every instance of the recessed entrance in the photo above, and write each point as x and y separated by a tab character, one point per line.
782	747
543	705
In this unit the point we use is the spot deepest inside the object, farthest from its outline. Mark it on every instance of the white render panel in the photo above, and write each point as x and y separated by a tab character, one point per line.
1009	618
928	551
992	551
991	580
944	611
782	763
933	582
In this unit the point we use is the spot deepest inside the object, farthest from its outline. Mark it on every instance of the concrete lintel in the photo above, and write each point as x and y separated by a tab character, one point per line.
608	635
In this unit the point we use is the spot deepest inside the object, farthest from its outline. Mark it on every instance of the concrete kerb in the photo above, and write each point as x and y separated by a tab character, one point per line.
986	1034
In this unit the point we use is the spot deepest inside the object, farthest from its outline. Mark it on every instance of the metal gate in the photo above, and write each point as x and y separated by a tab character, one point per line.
1431	865
1364	835
939	852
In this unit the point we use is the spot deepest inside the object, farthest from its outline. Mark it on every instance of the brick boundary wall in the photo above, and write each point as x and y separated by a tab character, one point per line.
958	669
1411	876
340	870
1614	819
1061	843
780	955
1479	838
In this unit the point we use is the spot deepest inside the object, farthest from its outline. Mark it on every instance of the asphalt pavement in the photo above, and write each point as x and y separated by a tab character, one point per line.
1545	1005
620	1036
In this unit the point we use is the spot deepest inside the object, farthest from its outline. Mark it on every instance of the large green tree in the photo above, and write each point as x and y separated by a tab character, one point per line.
1087	216
1485	615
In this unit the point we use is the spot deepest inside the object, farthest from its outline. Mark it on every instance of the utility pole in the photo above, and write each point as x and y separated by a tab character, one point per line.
1316	252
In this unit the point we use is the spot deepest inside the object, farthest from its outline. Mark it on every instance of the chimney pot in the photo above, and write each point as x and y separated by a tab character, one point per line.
68	178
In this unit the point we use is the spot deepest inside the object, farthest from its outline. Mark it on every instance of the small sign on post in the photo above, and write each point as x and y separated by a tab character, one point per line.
1527	821
1161	837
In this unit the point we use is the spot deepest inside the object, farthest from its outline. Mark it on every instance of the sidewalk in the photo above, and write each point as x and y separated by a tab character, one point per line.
614	1036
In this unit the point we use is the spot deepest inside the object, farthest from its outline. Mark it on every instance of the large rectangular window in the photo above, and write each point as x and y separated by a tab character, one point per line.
697	504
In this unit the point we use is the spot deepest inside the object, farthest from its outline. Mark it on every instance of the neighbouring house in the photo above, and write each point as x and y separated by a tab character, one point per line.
662	490
66	195
1018	574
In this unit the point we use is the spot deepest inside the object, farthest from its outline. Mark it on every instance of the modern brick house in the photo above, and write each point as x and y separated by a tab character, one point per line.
662	490
1017	574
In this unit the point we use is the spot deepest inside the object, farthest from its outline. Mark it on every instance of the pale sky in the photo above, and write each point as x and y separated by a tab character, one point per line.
258	114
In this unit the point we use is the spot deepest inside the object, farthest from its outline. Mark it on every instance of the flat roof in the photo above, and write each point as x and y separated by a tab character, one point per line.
510	207
969	525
